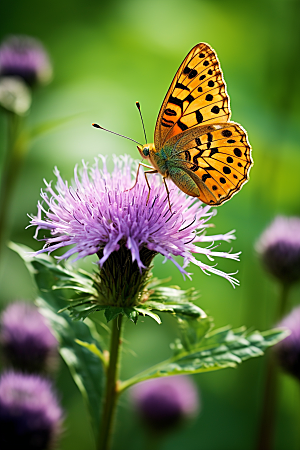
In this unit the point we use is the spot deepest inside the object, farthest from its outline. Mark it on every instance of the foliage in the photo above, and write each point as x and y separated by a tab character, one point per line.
78	290
85	362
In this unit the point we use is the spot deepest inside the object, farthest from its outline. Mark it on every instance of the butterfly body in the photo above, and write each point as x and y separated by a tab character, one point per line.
195	145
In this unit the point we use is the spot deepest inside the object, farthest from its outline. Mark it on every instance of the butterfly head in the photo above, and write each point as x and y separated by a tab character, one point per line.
145	150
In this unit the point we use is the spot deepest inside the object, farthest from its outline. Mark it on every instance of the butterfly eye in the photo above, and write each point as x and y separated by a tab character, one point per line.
146	151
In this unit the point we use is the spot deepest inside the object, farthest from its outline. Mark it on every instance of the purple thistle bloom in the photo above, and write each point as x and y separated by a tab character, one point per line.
99	214
26	58
27	341
288	350
30	415
163	403
279	247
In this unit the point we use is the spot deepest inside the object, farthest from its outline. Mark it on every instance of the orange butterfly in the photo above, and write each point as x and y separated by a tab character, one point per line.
195	145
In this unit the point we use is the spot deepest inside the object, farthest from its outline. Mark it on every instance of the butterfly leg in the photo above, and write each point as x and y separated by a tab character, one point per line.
168	193
137	175
148	171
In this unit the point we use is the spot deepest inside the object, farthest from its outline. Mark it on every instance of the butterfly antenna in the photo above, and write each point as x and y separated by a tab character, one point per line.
139	108
95	125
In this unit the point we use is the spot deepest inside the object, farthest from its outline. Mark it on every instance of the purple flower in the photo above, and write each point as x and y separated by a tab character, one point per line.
163	403
27	341
288	350
279	247
100	214
26	58
30	415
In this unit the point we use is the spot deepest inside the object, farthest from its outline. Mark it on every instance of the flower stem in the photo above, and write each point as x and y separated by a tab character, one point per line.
111	393
16	146
269	407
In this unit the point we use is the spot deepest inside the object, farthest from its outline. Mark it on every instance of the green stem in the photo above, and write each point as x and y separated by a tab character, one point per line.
153	440
16	146
268	416
111	393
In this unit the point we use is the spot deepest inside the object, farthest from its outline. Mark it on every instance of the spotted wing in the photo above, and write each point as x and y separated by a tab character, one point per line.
216	157
197	95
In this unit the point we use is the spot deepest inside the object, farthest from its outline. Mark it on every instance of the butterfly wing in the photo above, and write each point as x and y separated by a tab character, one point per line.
197	95
216	158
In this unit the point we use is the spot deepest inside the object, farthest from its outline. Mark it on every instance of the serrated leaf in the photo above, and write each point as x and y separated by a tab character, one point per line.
173	300
147	312
192	332
217	350
173	294
183	309
111	312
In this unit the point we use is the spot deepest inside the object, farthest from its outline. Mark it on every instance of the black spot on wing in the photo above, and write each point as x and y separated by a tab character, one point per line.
192	74
215	109
226	133
182	126
199	116
170	112
213	151
181	86
189	98
186	70
176	101
205	176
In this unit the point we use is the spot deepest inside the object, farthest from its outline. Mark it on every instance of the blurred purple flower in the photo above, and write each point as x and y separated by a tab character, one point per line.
30	415
27	341
26	58
288	350
279	247
163	403
99	214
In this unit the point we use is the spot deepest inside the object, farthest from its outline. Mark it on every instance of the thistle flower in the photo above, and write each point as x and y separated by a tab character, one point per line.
100	215
288	350
164	403
27	341
279	247
26	58
30	415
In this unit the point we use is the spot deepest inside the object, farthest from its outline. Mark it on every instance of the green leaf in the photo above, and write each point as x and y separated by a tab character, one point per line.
174	294
210	351
192	332
173	300
147	312
94	349
79	290
85	366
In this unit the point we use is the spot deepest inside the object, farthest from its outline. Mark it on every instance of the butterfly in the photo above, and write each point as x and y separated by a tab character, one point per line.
195	144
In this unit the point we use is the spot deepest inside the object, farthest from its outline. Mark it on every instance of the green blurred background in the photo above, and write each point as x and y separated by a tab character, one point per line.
107	55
